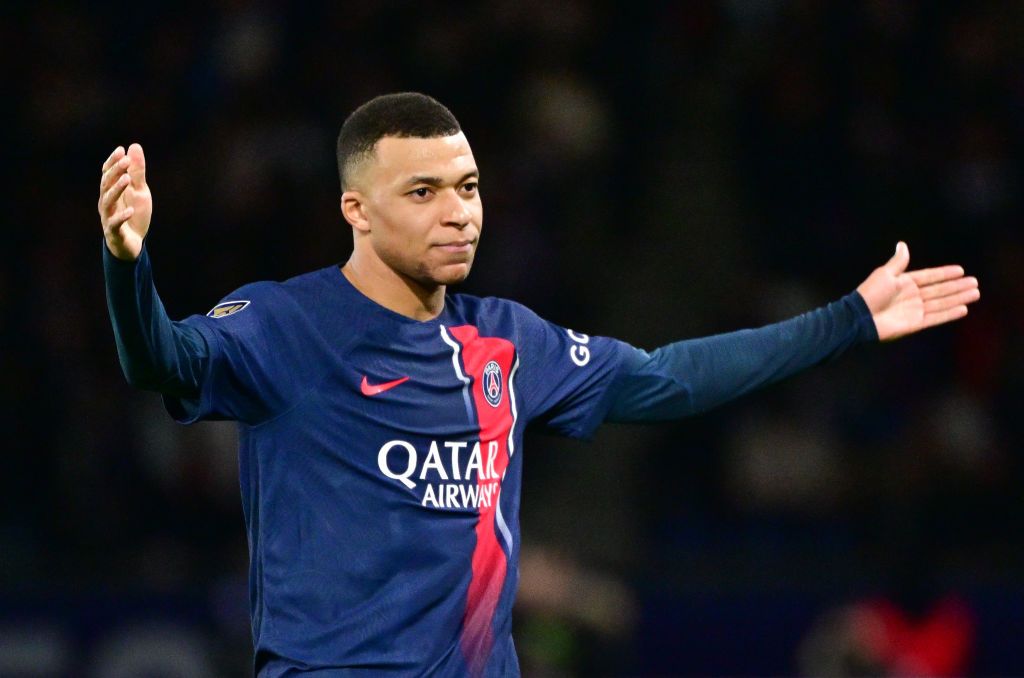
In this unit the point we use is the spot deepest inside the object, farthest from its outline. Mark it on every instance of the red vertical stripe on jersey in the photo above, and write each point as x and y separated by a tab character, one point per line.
489	561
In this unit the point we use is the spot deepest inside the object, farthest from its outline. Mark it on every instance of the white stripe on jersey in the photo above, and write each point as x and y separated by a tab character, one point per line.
458	372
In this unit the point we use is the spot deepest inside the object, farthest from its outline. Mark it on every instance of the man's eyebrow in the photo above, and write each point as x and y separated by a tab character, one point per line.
437	182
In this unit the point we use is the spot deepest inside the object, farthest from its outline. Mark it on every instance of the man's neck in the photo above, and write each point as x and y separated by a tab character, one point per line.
394	291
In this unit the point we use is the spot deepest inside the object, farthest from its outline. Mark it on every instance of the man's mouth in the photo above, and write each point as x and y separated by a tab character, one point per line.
456	246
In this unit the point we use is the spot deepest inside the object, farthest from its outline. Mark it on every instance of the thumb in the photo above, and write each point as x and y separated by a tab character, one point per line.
899	260
137	166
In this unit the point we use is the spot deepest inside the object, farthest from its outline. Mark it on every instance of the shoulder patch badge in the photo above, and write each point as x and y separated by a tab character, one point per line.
492	383
226	308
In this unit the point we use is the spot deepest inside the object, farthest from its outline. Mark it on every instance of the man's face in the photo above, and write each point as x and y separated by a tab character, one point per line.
422	207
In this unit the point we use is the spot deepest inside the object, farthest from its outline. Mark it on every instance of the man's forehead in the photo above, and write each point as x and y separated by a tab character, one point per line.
413	155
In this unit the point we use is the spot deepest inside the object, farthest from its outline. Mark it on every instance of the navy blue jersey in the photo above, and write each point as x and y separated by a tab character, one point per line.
381	457
381	467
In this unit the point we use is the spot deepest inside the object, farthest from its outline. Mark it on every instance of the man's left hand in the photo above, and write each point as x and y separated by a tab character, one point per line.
903	302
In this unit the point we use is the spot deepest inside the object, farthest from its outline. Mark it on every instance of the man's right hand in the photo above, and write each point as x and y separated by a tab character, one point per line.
125	205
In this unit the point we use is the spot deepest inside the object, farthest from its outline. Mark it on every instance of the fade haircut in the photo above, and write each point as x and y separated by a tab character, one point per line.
403	114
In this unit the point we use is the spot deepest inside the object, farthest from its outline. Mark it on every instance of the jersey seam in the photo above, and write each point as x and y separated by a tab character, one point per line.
300	400
205	394
274	416
588	427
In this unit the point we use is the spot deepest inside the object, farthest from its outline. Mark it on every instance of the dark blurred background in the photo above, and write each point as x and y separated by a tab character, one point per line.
651	172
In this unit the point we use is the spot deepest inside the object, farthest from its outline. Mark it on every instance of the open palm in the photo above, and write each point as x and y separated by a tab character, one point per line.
125	204
903	302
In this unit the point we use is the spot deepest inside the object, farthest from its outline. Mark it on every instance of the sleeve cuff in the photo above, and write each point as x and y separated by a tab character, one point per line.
866	330
110	262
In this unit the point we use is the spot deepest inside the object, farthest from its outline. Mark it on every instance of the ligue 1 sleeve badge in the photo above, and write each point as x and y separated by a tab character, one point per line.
492	383
226	308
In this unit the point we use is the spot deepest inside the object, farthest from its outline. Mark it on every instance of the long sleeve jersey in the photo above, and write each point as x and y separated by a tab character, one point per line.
380	457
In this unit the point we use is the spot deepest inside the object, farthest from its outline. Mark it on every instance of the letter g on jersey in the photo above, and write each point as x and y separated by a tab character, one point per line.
579	353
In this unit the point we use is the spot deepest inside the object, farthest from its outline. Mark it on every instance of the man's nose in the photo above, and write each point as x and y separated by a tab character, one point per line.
456	210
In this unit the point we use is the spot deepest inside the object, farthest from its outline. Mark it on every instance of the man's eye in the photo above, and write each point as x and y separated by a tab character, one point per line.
470	187
420	192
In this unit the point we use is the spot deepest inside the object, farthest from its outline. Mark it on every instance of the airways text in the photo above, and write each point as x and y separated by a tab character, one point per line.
445	461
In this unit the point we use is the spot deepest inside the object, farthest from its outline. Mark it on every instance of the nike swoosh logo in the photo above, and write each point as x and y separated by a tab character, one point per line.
369	389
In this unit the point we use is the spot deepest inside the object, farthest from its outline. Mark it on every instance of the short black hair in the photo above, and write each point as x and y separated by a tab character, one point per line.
403	114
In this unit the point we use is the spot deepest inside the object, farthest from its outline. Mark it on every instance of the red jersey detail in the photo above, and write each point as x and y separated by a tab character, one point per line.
489	560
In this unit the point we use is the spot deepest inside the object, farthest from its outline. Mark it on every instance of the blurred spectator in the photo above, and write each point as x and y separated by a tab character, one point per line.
878	638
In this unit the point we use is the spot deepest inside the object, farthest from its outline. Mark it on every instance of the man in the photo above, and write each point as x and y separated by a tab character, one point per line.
381	420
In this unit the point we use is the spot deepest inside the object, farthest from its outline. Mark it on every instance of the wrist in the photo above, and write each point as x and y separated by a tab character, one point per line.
121	252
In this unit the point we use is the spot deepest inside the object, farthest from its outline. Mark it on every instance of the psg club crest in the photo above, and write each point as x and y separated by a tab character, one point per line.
492	383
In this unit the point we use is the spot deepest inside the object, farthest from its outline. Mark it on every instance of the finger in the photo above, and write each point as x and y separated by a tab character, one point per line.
940	317
113	157
929	276
944	289
113	193
114	171
115	223
899	261
958	299
137	165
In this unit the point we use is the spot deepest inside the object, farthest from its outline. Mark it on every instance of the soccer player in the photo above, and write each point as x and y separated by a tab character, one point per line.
381	419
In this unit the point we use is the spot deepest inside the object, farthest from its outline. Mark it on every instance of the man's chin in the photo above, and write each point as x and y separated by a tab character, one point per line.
452	274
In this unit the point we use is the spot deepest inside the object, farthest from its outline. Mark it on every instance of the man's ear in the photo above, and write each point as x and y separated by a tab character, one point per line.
354	210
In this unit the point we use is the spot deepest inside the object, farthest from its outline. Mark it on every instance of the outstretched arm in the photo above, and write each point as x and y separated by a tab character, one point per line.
693	376
155	353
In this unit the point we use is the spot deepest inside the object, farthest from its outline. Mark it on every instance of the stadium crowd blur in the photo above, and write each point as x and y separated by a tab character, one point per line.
651	172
